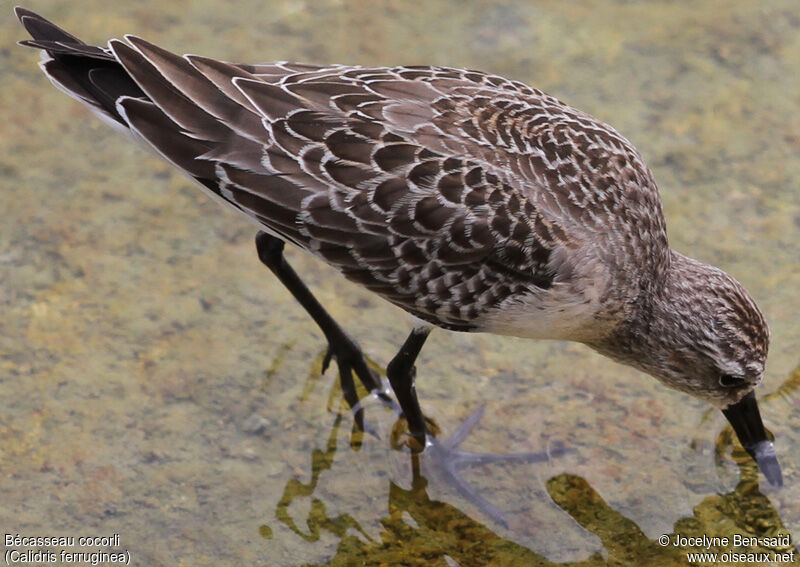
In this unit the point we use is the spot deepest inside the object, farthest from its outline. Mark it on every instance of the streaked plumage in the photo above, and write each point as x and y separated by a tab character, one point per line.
474	202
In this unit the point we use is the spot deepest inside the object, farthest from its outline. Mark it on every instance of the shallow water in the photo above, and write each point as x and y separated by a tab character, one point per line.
158	383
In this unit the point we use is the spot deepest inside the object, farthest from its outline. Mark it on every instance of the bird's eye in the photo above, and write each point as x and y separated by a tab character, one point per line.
731	381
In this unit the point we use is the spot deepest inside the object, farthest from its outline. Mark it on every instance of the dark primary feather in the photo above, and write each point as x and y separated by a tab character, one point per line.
43	30
87	72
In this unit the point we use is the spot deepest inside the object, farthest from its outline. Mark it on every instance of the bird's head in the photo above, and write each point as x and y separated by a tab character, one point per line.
704	334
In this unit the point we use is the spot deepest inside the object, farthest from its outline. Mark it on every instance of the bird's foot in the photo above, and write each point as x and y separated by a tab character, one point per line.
445	460
351	360
402	438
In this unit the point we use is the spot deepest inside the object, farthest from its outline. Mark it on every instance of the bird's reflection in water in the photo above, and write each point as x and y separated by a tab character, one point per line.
318	518
419	531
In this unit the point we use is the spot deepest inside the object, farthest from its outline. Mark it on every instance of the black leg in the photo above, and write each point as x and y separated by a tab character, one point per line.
348	355
401	372
444	458
444	455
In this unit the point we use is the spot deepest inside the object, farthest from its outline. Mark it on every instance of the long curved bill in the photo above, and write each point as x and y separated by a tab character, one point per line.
746	421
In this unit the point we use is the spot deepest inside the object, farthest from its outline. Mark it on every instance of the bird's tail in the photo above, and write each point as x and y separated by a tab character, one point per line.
101	79
87	73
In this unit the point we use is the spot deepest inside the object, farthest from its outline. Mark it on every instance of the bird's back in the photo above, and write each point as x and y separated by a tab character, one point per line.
467	199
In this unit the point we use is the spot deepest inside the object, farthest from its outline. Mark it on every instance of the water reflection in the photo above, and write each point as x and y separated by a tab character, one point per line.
420	531
318	519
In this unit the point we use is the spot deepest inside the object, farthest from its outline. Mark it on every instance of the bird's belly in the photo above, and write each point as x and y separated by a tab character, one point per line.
557	314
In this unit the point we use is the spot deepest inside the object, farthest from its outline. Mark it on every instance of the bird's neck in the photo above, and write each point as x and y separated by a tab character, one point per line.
657	323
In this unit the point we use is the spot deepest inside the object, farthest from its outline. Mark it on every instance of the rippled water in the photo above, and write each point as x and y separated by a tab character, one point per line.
157	382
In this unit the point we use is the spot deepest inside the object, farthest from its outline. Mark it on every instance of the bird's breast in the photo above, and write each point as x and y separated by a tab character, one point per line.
578	308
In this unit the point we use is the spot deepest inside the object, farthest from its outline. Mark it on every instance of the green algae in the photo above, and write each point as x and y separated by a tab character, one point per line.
417	530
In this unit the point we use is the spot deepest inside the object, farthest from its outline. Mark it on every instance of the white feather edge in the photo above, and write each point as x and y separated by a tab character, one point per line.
142	141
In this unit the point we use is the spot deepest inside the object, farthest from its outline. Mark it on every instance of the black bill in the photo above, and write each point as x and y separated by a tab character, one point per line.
746	421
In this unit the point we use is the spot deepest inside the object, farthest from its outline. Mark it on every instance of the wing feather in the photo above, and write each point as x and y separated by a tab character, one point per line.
402	178
159	130
181	109
198	88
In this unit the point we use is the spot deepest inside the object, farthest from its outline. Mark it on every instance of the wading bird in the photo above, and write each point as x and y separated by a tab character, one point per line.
473	202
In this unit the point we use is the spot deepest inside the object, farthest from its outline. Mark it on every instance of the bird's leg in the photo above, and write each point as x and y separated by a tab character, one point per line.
348	355
445	459
401	373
